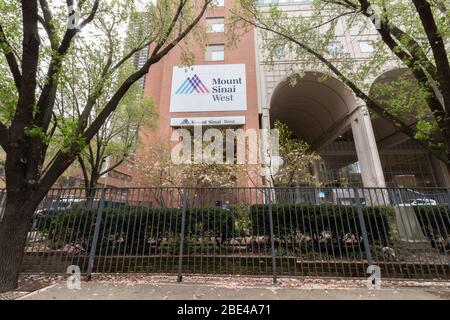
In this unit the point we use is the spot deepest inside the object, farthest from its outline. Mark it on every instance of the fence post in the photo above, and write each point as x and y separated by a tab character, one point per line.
183	226
272	237
98	221
362	224
448	198
448	201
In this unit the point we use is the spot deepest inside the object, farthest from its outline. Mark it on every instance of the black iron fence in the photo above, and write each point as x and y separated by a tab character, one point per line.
243	231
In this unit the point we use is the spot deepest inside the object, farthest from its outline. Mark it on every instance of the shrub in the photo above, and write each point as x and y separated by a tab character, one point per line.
323	223
435	224
141	230
133	230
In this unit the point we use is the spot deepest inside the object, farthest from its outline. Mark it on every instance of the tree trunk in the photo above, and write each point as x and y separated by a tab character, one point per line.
13	234
90	189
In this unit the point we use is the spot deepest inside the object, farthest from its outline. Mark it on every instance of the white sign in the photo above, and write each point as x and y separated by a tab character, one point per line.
211	121
209	88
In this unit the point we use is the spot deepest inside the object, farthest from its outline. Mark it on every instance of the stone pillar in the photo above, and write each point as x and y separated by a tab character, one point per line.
316	170
316	174
366	149
265	125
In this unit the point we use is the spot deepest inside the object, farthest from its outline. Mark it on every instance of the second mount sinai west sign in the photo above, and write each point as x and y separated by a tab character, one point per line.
209	88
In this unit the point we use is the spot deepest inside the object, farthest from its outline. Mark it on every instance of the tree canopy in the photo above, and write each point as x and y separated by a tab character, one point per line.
409	34
51	52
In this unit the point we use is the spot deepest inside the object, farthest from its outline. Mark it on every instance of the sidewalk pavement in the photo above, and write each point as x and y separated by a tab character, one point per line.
198	288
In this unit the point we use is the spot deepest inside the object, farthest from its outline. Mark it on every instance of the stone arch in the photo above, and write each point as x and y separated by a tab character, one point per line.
315	107
398	149
320	109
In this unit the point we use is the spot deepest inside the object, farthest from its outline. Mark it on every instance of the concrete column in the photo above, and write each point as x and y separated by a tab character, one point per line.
366	149
441	172
265	118
316	170
265	125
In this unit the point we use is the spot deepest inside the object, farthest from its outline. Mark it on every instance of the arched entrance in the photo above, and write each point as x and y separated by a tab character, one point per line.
405	162
323	112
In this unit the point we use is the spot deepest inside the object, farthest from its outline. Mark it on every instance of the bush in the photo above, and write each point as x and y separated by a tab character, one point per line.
133	230
141	230
435	224
323	223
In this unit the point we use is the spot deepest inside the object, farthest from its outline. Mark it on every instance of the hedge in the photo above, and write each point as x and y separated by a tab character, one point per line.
120	232
312	220
435	224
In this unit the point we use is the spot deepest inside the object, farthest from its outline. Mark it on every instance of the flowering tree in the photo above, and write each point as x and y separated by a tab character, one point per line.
297	159
160	170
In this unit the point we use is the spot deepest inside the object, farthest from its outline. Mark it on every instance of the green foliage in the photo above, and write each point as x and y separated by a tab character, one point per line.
405	99
85	80
68	134
435	224
37	132
307	37
2	157
297	159
131	230
298	221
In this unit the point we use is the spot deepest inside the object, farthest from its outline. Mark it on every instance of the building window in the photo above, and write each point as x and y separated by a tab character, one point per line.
214	25
215	52
366	46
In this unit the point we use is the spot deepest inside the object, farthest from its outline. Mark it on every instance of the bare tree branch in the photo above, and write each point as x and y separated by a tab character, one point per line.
437	47
154	58
111	168
10	59
64	159
48	24
45	104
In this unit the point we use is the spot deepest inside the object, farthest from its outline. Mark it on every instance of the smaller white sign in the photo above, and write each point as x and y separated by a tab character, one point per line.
209	121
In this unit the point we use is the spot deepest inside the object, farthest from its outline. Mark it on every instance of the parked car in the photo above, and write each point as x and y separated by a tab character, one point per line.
419	202
71	202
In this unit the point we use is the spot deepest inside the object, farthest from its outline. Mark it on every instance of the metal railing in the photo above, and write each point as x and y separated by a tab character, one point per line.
243	231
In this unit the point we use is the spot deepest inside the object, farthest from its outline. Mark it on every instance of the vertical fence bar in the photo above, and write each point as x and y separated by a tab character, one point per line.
362	224
272	237
447	231
98	221
448	198
183	226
